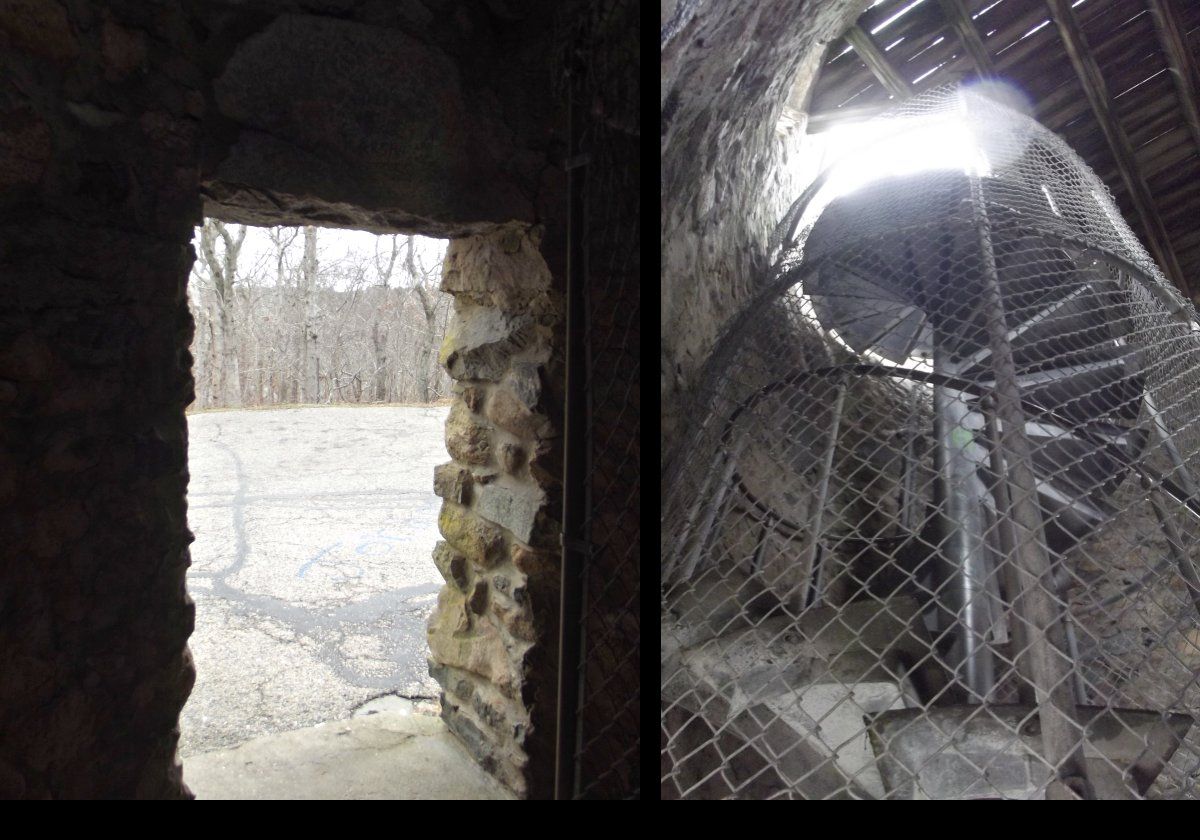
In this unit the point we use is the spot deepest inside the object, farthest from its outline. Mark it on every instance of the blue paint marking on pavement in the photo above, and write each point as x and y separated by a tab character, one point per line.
384	540
316	558
369	545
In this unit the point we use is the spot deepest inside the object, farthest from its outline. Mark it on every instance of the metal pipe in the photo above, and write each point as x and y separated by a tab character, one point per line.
1073	647
1048	660
1188	502
764	534
962	496
810	558
575	473
694	553
689	522
1175	542
1168	443
1189	535
998	623
1017	630
910	499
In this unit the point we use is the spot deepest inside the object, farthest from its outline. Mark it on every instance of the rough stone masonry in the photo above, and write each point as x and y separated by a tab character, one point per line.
123	123
491	638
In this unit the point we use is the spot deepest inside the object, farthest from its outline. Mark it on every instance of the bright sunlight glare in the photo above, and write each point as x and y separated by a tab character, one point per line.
861	153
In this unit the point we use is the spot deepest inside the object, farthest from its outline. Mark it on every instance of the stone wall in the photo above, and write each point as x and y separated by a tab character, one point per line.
728	71
435	117
98	194
121	123
492	638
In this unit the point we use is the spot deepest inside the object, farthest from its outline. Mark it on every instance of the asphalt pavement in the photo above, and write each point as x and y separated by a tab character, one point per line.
311	569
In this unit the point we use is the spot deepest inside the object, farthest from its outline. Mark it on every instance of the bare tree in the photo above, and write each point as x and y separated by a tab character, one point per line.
298	325
310	361
222	274
425	296
384	270
282	387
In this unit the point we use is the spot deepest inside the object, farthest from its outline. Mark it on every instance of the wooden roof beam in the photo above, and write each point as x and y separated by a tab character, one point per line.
960	20
1179	61
877	62
1090	78
823	120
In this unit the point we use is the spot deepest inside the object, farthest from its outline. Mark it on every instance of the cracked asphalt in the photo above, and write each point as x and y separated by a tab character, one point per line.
311	569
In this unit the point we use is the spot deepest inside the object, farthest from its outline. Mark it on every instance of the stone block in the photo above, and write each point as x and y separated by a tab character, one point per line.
69	454
806	696
450	616
58	525
480	541
516	619
457	685
525	383
473	395
535	564
123	50
505	764
39	27
509	410
958	752
481	651
452	565
503	269
452	482
513	507
481	341
466	439
471	736
545	462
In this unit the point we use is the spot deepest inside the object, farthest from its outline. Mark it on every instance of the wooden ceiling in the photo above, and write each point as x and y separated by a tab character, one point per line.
1117	79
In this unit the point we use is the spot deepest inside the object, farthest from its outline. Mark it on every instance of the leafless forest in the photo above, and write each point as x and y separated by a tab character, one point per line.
291	315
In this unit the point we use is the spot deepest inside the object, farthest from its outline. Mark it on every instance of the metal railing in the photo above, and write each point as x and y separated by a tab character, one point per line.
599	687
935	536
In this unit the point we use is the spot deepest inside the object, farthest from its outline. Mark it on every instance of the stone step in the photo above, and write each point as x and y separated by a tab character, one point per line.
798	690
993	752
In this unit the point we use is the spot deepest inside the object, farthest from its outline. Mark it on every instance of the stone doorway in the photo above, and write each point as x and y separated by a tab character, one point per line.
125	124
485	655
312	442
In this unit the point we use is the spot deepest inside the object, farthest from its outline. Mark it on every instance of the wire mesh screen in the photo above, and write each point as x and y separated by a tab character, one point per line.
605	93
935	533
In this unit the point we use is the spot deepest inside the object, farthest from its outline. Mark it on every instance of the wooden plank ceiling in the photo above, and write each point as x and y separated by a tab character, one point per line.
1117	79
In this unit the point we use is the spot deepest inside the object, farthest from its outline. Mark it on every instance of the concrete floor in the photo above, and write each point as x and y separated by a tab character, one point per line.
383	755
311	568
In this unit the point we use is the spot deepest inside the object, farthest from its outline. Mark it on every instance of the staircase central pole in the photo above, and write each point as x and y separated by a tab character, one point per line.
1036	604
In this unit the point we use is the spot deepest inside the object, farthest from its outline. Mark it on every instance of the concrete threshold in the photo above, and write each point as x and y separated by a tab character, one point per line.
382	755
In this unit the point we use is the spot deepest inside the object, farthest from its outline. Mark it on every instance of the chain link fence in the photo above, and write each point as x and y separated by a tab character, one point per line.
604	740
934	535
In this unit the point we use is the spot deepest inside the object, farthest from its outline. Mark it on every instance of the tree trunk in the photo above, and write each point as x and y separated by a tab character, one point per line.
309	383
378	334
231	391
379	342
425	351
223	274
214	366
